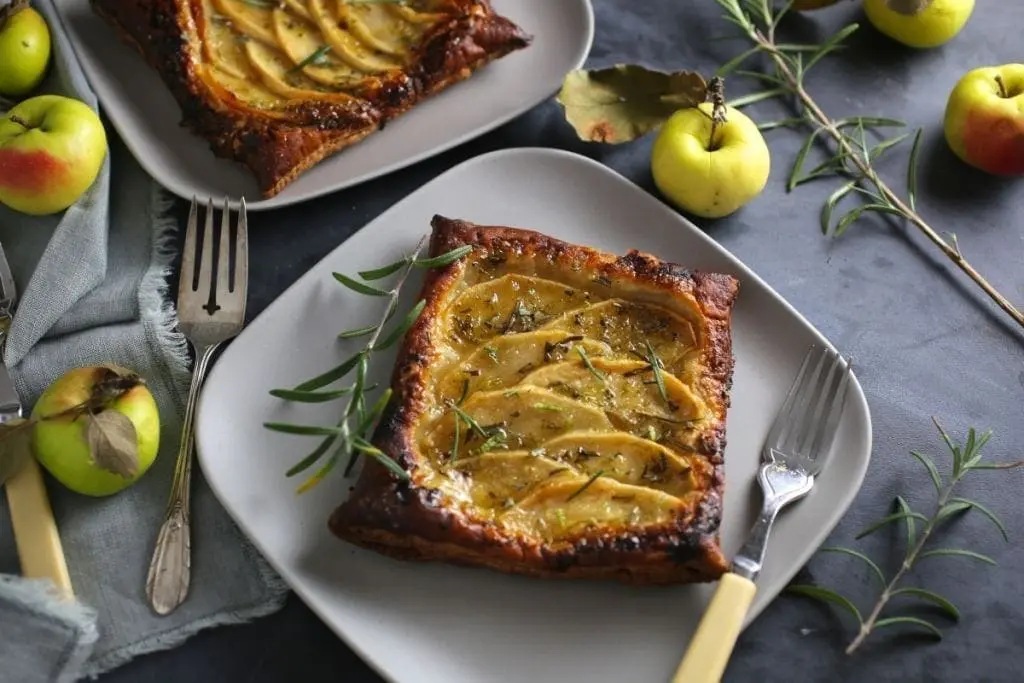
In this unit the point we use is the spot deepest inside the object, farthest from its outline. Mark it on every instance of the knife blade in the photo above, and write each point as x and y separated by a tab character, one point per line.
40	551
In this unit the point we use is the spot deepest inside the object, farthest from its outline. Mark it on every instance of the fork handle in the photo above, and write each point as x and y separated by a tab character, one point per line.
170	570
711	646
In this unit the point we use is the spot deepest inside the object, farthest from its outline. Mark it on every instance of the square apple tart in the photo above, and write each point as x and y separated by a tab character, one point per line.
278	85
560	411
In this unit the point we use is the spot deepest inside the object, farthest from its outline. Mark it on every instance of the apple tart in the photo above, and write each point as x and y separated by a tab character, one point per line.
560	411
278	85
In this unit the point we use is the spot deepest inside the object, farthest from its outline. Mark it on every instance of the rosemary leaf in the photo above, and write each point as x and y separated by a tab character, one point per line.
756	97
863	558
320	474
362	366
799	163
912	171
912	621
929	465
656	370
305	430
985	512
827	596
308	461
358	332
374	414
830	45
399	331
586	485
942	552
589	365
889	519
379	455
383	271
357	286
313	58
470	421
332	375
444	259
831	203
309	396
934	598
781	123
733	63
261	4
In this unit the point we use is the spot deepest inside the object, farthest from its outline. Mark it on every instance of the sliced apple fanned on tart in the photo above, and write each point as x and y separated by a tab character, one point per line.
279	85
560	412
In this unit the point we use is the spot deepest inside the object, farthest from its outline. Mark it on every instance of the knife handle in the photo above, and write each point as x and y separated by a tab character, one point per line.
711	646
35	530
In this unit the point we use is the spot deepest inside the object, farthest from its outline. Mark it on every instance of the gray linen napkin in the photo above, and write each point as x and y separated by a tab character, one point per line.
93	284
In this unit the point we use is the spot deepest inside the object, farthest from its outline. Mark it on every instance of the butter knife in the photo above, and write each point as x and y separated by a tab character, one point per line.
35	531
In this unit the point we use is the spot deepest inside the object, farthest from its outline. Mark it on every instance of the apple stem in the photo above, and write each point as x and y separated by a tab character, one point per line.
18	120
716	91
1002	87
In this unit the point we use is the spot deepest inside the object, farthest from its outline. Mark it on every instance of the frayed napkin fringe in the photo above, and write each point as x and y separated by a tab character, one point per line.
40	599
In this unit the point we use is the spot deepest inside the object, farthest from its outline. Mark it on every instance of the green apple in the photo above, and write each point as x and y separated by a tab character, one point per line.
919	23
984	119
60	441
24	49
705	177
51	150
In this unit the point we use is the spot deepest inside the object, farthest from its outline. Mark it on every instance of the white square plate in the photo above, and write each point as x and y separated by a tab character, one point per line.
445	624
146	116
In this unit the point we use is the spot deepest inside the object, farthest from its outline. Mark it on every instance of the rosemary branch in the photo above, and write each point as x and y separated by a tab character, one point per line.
966	458
789	76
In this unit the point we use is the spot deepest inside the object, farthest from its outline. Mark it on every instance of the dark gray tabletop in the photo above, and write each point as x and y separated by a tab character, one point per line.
926	342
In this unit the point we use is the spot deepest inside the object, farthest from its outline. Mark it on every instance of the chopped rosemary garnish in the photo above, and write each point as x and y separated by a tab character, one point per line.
315	57
657	367
590	366
550	407
469	420
492	353
261	4
585	486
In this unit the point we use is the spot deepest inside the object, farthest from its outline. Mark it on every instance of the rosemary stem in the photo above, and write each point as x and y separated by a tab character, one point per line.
905	566
395	291
954	254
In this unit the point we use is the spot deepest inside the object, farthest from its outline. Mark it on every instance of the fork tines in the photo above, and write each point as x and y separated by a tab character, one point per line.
808	420
217	278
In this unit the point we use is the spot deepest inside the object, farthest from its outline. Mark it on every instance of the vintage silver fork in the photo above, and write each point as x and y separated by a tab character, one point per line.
795	451
211	310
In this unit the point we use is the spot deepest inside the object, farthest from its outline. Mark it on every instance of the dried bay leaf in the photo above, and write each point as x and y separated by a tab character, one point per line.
15	447
624	102
113	442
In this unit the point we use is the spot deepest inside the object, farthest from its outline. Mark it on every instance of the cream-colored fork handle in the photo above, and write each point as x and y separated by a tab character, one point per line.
711	646
170	570
35	532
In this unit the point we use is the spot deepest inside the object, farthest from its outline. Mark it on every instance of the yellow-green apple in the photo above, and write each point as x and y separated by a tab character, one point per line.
919	23
61	439
984	120
24	49
51	150
704	176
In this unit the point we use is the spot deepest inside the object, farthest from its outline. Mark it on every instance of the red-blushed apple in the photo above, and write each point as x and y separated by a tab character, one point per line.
984	120
61	441
51	150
